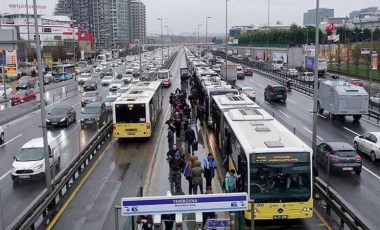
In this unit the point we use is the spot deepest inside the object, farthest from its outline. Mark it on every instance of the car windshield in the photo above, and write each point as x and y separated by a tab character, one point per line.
107	78
279	181
91	110
23	82
90	83
246	89
59	111
30	154
279	89
90	94
116	82
109	99
162	75
21	92
122	90
345	153
84	75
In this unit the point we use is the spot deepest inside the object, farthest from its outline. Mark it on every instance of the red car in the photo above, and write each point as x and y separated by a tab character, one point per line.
22	96
357	82
248	72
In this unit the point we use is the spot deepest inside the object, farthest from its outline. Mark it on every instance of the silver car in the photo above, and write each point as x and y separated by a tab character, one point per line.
109	100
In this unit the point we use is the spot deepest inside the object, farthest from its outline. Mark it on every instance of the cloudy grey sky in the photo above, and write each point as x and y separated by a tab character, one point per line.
184	15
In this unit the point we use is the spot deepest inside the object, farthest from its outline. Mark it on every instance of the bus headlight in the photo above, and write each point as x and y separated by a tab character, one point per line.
307	209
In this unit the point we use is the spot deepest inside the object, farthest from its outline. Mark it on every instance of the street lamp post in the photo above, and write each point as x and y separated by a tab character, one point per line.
226	37
206	32
27	22
268	30
167	31
315	114
370	60
198	35
162	45
42	99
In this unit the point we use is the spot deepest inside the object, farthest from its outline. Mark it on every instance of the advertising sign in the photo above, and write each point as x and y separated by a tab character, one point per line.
374	61
184	204
11	62
365	50
309	62
281	55
260	55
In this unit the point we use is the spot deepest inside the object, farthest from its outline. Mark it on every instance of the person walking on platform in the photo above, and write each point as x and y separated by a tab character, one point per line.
178	125
177	167
196	175
209	166
146	222
200	115
187	172
170	137
190	137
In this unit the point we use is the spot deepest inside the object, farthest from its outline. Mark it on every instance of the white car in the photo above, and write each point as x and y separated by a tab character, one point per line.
134	81
375	99
114	64
99	68
29	162
106	80
368	143
1	135
115	85
249	92
8	90
123	90
84	77
109	100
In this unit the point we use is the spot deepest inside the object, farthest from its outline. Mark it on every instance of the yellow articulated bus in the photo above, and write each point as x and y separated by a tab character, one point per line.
136	111
275	165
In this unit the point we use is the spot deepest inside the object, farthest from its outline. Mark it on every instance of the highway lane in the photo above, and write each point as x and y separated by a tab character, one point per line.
359	191
120	171
70	140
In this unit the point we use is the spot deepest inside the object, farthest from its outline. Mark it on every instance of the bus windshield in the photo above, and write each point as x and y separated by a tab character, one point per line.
56	70
281	177
130	113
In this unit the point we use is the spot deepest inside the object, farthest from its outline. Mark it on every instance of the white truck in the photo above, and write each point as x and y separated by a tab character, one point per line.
342	99
229	74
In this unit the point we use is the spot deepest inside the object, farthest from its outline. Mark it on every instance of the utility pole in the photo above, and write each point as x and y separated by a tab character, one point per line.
226	39
267	57
206	32
27	22
162	45
316	55
42	99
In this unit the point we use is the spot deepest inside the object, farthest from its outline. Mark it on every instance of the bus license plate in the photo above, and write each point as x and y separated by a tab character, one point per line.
347	168
280	217
24	177
131	133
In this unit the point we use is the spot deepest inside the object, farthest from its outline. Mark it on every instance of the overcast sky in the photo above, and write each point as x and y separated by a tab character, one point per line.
183	16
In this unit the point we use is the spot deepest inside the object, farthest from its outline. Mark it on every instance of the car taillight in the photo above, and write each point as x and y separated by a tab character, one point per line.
334	159
113	126
358	159
148	125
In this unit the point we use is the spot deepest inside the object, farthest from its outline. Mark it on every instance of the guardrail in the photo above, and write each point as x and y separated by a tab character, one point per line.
170	61
43	206
306	88
347	214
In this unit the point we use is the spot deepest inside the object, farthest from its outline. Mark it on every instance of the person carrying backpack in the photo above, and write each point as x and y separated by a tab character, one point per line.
190	137
187	172
196	175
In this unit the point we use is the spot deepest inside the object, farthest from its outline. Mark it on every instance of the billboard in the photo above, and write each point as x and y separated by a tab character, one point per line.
280	55
260	55
309	62
11	62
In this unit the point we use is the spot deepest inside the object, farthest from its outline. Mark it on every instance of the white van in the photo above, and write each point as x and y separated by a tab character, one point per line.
306	76
29	162
277	64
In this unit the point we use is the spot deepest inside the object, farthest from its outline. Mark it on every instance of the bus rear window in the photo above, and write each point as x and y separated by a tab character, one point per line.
130	113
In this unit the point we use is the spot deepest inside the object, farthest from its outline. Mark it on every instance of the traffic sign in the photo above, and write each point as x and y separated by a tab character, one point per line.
365	50
184	204
217	223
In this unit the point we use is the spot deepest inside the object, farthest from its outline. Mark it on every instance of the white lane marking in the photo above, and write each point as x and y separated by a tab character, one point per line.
371	122
11	140
312	132
286	115
373	174
311	111
292	101
349	130
6	174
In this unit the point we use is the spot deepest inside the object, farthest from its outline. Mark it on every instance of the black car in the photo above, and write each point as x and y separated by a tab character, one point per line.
90	96
94	114
48	80
339	156
275	93
62	115
90	85
107	71
26	84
